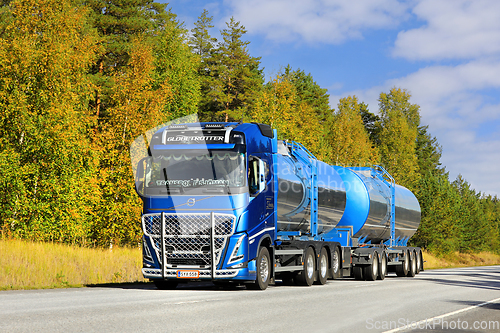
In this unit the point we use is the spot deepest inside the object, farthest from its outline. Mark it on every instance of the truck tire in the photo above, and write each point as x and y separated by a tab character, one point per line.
419	261
165	284
413	265
382	268
323	267
263	264
402	270
371	271
306	275
357	272
336	270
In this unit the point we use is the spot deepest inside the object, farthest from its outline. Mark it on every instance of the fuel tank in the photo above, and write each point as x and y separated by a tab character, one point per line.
347	197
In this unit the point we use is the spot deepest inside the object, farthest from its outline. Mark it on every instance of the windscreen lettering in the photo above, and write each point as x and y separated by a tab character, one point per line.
182	138
192	182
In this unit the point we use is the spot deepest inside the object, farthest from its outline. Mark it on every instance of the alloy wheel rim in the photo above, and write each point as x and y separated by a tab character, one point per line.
375	266
324	265
264	269
310	267
335	263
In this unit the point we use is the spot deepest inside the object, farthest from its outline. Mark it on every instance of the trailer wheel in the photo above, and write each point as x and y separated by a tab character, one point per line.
306	275
413	265
371	271
402	270
165	284
382	270
419	261
357	271
335	271
263	270
323	267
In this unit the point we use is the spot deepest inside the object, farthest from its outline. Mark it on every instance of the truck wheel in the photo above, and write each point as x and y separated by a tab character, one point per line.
413	265
263	270
419	261
306	275
382	270
323	267
402	270
335	271
357	271
371	271
166	284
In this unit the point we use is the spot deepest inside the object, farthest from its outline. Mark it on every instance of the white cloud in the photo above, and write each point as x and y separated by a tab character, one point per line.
313	21
453	91
458	29
476	160
456	108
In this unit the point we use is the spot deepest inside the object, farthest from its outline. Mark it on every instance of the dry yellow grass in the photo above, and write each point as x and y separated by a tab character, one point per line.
29	265
457	259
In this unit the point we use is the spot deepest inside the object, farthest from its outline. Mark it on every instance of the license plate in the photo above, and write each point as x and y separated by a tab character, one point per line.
188	274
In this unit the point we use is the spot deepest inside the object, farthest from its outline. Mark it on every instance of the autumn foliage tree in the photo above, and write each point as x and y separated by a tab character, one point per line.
139	104
348	139
48	189
399	122
279	105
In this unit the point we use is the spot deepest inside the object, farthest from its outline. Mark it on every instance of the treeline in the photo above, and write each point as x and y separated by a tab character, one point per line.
81	79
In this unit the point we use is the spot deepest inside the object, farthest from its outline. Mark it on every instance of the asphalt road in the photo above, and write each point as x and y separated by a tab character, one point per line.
420	304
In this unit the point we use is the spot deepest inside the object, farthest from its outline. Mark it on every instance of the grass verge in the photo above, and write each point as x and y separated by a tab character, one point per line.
30	265
456	259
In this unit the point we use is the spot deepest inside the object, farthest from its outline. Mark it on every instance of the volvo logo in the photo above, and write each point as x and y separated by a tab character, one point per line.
191	202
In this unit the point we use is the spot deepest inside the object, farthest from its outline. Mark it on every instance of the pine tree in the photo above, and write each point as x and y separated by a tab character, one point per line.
203	45
236	76
201	42
372	124
474	229
428	152
440	204
310	92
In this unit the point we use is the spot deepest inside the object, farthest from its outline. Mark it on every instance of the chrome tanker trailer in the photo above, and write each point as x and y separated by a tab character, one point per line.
230	203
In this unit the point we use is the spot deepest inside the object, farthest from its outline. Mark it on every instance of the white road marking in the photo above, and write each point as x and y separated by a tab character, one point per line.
399	329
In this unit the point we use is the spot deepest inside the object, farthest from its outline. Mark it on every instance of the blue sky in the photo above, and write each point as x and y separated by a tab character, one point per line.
446	53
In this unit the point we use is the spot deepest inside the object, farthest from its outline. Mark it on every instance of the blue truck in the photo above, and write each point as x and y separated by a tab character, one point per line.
232	204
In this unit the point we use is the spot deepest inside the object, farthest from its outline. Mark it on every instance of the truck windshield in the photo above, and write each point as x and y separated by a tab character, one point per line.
212	169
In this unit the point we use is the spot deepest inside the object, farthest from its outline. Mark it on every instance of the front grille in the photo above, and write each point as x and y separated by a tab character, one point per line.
187	237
